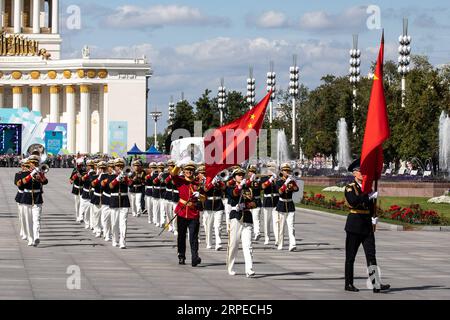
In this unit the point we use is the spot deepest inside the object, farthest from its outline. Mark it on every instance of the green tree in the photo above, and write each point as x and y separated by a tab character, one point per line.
184	117
236	106
207	111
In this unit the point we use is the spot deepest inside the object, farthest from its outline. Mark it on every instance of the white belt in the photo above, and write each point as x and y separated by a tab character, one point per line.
214	198
86	190
137	185
271	195
257	198
97	194
106	195
76	187
117	194
176	191
157	188
285	200
148	188
20	191
170	190
32	191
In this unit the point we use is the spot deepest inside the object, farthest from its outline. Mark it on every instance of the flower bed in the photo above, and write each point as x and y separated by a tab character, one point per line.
413	214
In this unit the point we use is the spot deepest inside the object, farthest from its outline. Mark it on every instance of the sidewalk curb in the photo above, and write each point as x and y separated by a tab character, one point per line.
391	227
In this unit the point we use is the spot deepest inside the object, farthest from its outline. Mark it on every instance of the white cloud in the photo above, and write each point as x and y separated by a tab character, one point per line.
350	19
269	20
135	17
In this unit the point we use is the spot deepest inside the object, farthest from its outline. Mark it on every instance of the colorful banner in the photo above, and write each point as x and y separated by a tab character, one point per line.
118	138
53	142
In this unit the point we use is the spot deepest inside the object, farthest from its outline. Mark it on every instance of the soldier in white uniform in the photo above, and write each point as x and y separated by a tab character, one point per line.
136	188
149	192
20	207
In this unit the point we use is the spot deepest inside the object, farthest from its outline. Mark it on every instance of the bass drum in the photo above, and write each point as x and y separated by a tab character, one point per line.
297	197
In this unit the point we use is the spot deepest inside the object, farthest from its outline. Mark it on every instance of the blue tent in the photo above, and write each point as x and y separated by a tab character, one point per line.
135	151
152	151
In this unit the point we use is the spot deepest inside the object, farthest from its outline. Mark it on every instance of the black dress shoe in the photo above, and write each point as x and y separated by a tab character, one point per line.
384	287
351	288
196	262
182	261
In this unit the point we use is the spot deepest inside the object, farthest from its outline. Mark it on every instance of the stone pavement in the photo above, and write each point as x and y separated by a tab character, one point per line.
416	264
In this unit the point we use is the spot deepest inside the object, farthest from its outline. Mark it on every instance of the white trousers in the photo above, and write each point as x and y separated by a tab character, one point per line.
85	212
170	215
77	206
240	231
227	213
149	207
155	202
32	216
256	214
213	219
106	222
287	218
277	222
97	219
22	224
162	211
267	212
119	217
135	201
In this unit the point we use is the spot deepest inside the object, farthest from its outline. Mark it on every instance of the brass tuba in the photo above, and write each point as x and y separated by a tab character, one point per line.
39	150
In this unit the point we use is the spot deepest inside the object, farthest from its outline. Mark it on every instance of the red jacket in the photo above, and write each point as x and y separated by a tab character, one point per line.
187	206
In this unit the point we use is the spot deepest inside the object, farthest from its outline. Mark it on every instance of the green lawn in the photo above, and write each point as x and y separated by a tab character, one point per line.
386	202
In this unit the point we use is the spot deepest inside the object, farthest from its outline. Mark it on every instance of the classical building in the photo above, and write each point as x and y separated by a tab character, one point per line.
90	96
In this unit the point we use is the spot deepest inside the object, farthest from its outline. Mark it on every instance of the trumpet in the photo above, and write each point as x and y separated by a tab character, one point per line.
44	168
127	171
297	173
224	174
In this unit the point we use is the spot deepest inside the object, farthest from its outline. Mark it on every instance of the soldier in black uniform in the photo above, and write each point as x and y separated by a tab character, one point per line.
241	223
85	203
360	228
270	202
97	195
286	209
20	207
169	194
105	199
33	199
149	191
77	185
136	188
256	212
156	196
213	211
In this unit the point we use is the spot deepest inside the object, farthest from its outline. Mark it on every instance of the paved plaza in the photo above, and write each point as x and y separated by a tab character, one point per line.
416	264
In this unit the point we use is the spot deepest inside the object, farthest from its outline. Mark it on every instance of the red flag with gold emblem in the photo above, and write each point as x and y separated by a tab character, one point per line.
235	142
377	129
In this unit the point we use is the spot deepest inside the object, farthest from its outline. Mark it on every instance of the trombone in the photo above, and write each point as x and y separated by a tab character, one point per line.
39	150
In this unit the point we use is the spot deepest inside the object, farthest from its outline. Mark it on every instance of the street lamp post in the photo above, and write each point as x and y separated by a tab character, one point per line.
171	113
293	91
156	115
404	59
271	83
355	72
251	89
222	99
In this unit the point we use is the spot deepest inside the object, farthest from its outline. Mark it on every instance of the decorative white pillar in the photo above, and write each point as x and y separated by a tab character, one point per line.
17	97
105	116
36	16
36	98
85	120
2	9
55	16
54	104
71	119
17	16
1	98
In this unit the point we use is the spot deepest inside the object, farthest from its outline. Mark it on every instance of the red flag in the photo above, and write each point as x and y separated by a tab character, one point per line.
377	129
234	143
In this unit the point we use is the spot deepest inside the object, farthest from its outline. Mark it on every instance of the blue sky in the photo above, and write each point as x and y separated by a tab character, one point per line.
192	44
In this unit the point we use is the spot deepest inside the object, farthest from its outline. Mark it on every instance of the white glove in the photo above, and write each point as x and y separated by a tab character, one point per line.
253	177
288	180
375	221
243	183
373	195
160	175
120	177
35	172
196	194
216	180
90	171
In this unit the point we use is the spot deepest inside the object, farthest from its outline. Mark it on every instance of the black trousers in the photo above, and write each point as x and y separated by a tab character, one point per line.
194	227
352	244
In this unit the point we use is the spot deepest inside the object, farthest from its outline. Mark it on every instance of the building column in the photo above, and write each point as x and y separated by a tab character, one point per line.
17	16
55	16
71	119
17	97
1	95
54	104
105	116
85	119
36	97
2	15
36	16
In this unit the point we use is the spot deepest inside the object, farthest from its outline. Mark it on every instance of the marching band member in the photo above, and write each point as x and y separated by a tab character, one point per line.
268	185
149	192
187	211
106	196
241	223
33	200
162	200
169	194
286	208
97	196
256	212
77	185
201	179
20	207
213	212
136	188
119	204
85	203
156	195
